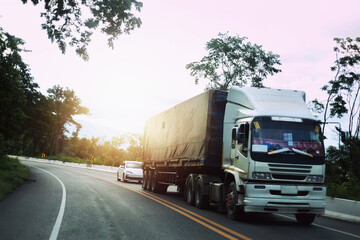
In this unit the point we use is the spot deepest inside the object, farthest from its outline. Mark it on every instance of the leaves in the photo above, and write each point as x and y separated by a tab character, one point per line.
231	61
344	100
72	22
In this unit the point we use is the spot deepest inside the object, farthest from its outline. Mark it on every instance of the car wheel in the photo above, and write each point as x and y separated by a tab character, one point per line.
124	178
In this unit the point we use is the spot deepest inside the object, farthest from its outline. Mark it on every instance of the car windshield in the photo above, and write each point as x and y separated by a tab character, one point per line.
134	165
287	137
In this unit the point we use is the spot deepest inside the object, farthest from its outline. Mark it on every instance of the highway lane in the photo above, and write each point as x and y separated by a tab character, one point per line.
99	207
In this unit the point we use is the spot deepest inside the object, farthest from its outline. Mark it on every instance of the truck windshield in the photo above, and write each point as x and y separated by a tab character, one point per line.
286	141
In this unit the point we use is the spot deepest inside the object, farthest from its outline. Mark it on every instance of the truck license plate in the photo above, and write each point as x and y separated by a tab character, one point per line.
289	190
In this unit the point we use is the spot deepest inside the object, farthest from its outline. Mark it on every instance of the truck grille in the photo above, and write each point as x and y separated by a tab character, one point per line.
288	177
278	192
289	172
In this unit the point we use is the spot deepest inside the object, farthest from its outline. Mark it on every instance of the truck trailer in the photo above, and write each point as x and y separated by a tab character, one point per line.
245	149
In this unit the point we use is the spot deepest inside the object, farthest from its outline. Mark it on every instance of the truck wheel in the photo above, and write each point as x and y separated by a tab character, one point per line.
150	179
304	219
145	180
155	186
189	193
233	210
201	200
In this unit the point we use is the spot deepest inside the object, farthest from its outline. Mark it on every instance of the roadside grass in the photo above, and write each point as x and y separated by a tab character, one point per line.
12	175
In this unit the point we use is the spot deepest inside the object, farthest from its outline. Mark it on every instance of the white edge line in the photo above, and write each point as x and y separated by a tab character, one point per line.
59	218
328	228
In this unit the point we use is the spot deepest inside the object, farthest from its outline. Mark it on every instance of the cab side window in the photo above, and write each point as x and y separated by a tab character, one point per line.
243	139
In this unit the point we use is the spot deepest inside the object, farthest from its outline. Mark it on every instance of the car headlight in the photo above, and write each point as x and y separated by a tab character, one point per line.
261	176
315	179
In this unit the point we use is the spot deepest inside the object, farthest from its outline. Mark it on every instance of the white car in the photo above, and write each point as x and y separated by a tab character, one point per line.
130	171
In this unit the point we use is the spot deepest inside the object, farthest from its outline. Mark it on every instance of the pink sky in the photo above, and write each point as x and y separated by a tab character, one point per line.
146	74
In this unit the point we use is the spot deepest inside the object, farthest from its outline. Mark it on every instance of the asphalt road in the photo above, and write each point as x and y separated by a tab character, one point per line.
71	203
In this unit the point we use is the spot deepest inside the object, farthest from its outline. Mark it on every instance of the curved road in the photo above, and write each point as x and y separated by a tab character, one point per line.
71	203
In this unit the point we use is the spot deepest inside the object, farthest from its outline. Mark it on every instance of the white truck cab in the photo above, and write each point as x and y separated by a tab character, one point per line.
274	153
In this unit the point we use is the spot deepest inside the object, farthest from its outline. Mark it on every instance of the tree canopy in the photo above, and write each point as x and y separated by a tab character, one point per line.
33	124
343	101
233	61
72	22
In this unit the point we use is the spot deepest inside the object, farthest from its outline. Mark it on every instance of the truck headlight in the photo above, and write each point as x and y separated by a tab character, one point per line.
261	176
314	179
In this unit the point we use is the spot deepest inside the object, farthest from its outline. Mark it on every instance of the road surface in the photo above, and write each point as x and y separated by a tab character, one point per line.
71	203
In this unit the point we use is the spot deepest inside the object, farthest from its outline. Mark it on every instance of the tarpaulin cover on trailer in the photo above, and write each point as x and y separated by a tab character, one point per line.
190	130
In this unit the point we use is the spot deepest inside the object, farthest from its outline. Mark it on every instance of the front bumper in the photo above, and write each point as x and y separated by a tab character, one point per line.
135	177
283	198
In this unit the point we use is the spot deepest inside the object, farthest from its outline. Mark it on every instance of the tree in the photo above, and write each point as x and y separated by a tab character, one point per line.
64	105
66	24
344	98
18	93
135	148
232	61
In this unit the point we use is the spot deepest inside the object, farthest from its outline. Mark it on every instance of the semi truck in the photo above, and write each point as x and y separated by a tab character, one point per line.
245	150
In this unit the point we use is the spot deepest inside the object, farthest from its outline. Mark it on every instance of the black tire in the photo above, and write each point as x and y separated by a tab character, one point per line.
124	180
189	193
304	219
145	180
154	184
201	200
233	210
117	177
149	181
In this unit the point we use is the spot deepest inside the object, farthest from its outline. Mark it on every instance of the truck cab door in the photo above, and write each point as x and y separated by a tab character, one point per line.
240	147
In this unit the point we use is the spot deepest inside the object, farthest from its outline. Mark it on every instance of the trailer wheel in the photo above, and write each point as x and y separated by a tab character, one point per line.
201	200
233	210
145	180
155	186
304	219
149	181
189	193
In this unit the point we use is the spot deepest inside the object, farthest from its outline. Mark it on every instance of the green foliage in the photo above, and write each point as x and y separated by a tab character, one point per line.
30	122
342	179
73	22
344	90
232	61
344	101
12	175
18	94
64	104
101	151
346	190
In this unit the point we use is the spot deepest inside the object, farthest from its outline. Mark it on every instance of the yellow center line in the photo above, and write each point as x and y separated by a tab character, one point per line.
176	208
201	217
